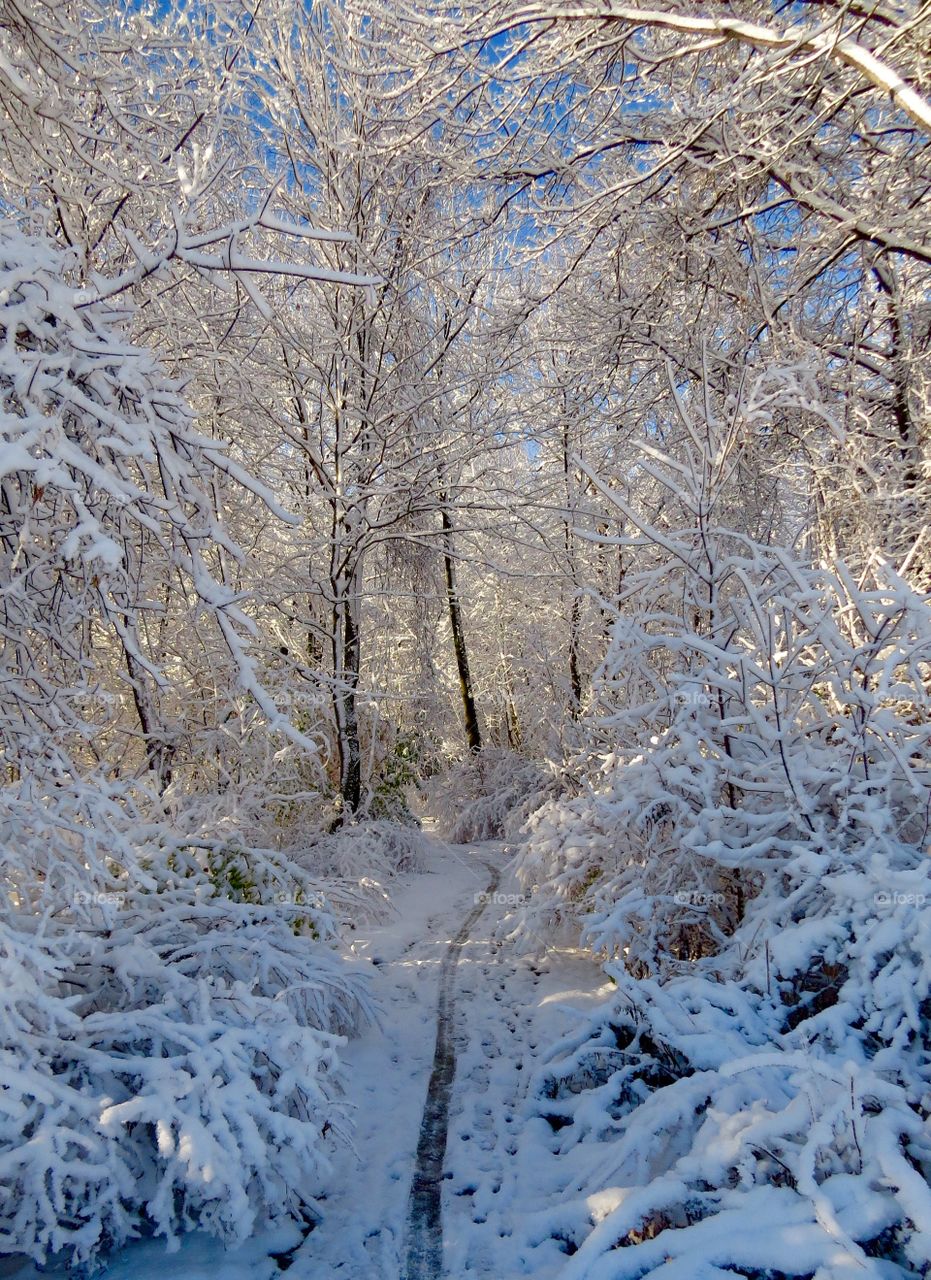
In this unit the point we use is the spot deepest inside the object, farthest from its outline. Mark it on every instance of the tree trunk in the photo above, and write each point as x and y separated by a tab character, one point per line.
346	657
351	759
473	734
575	608
158	749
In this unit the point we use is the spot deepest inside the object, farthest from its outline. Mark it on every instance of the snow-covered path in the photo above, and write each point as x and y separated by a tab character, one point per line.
448	1167
413	1202
424	1249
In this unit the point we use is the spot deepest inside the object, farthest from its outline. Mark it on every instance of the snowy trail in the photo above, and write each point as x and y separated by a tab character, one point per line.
449	1162
441	1180
425	1214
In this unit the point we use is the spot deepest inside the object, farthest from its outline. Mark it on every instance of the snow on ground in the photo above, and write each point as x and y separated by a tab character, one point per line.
506	1011
501	1158
199	1257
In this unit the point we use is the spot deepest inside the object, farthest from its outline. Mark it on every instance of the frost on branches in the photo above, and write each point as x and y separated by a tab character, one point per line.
751	860
107	493
488	795
171	1002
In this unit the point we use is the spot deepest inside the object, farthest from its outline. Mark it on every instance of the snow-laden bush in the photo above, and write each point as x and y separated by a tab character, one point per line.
748	851
171	996
752	709
782	1064
171	1011
487	796
360	859
110	520
751	774
710	1143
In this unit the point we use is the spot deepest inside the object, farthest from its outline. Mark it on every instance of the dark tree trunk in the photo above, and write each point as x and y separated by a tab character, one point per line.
350	750
473	733
158	750
899	379
347	650
575	676
575	608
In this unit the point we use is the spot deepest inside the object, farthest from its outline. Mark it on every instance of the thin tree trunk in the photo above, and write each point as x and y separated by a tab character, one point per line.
351	752
347	651
345	640
575	608
158	750
312	471
511	718
473	733
575	676
898	359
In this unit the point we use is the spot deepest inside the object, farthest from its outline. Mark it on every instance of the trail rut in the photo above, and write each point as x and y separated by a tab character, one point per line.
424	1232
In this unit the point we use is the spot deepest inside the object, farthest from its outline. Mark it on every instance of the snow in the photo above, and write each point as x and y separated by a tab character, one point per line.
252	1017
561	1145
508	1011
197	1257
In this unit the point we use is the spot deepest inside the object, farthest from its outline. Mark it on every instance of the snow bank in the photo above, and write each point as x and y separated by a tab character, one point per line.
171	1011
750	859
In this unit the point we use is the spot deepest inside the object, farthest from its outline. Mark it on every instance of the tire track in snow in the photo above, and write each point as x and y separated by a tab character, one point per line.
424	1250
